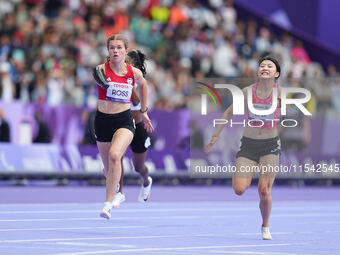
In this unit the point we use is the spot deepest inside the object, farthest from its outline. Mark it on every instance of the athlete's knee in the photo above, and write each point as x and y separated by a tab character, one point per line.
264	192
240	190
138	167
115	157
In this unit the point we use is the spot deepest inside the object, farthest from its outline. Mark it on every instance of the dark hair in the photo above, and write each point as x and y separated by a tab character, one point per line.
137	59
272	59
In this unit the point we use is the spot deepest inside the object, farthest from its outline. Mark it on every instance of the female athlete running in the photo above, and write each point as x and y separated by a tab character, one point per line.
114	127
260	144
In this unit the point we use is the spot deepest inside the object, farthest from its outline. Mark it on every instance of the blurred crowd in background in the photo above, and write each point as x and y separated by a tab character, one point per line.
48	47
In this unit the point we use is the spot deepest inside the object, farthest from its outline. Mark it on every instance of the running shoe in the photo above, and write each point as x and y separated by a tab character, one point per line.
118	199
266	233
106	211
144	193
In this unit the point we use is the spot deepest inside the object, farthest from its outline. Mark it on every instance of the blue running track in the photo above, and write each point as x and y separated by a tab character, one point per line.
177	221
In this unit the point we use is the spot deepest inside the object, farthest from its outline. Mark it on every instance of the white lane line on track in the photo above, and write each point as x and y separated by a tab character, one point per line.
37	247
104	238
83	244
78	228
292	204
122	218
143	250
162	236
146	210
180	217
317	222
252	252
294	215
182	203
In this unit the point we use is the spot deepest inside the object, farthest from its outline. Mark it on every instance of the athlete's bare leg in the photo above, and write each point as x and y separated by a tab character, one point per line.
104	149
241	178
266	180
138	162
120	141
140	167
121	178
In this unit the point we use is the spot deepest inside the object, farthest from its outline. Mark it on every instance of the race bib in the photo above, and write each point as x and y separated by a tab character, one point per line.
265	118
119	92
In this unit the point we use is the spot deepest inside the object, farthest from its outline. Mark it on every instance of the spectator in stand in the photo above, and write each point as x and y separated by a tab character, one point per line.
39	36
43	133
299	53
7	88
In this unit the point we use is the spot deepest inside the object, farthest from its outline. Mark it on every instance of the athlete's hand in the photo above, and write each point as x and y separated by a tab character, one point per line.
211	144
99	76
147	122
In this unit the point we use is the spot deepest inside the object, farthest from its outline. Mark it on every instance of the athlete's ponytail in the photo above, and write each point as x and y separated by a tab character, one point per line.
137	59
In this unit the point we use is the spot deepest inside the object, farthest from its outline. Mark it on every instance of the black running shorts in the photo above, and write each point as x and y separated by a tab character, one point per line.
105	125
254	149
141	140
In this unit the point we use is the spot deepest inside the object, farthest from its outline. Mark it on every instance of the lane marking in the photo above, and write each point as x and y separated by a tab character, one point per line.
303	203
146	210
173	217
74	228
254	252
96	244
181	248
103	238
121	218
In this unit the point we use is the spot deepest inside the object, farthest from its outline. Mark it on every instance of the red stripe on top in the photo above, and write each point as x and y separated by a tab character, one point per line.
112	77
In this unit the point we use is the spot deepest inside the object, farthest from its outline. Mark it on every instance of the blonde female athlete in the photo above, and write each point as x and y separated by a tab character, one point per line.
260	144
114	127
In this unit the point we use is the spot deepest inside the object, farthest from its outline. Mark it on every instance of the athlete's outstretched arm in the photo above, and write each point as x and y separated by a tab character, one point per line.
143	95
227	115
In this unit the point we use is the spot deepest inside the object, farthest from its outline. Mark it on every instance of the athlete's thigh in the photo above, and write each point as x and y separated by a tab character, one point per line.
269	165
104	148
120	141
245	169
